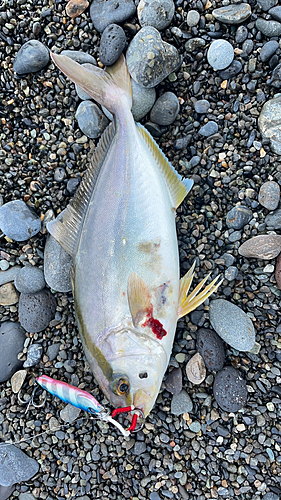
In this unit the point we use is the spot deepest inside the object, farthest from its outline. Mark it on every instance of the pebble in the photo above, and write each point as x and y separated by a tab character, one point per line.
231	71
9	275
195	369
268	28
232	324
36	310
230	389
17	380
275	12
18	221
105	12
268	49
6	491
156	13
202	106
241	34
269	195
12	337
8	295
265	246
269	123
275	80
31	57
194	44
233	14
57	266
166	109
211	348
75	8
16	466
139	448
209	129
30	279
4	265
112	44
271	496
90	119
53	351
79	56
181	403
154	496
238	217
220	54
173	381
34	353
72	185
195	427
192	18
149	59
231	273
274	220
69	413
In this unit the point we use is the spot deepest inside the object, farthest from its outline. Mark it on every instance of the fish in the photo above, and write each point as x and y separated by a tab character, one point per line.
120	231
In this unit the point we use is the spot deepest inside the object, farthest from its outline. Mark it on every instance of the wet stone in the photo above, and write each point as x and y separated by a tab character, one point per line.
149	59
36	310
69	413
269	195
202	106
230	389
75	8
195	369
268	50
57	266
194	44
90	119
220	54
233	14
12	337
156	13
181	403
112	44
9	275
211	348
17	380
105	12
232	324
173	381
8	295
31	57
269	123
30	279
268	28
209	129
166	109
16	466
238	217
266	246
18	221
34	353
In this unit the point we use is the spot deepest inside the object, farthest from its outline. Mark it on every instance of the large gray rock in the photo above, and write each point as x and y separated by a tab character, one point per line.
57	266
16	466
166	109
36	310
18	221
31	57
12	337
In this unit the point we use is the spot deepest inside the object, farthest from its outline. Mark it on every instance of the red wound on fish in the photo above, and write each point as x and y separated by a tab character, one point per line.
156	327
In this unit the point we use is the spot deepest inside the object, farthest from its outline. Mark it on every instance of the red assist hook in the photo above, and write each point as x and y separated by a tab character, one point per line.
137	413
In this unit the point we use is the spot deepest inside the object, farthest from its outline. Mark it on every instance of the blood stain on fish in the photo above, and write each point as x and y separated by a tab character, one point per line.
156	327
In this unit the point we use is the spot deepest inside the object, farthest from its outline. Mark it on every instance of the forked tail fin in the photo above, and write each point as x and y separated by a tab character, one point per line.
110	88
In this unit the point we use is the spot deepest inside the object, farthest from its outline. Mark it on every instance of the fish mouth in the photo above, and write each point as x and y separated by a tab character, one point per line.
144	401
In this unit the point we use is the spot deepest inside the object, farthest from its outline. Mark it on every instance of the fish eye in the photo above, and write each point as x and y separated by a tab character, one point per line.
143	375
120	386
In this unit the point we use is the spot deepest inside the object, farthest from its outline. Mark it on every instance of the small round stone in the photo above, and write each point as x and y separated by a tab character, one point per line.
30	279
195	369
231	71
18	221
156	13
211	348
192	18
165	110
230	389
265	246
269	195
90	119
241	34
75	8
12	337
36	310
31	57
238	217
194	44
220	54
209	129
181	403
112	44
231	273
105	12
202	106
34	353
173	381
59	174
4	265
72	185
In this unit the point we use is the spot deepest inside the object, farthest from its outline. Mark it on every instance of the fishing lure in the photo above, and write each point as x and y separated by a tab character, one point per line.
85	401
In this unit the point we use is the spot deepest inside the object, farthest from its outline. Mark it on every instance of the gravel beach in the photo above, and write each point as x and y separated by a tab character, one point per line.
215	431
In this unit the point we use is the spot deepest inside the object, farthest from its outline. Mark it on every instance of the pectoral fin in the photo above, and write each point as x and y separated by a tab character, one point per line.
139	298
188	303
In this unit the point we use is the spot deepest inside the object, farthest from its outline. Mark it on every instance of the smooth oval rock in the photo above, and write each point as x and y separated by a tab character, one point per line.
90	119
211	348
57	266
231	71
31	57
112	44
173	381
192	18
275	12
156	13
18	221
12	338
268	28
220	54
268	49
195	369
230	390
36	310
143	100
265	246
105	12
75	8
269	195
209	128
16	466
166	109
30	279
241	34
149	59
232	324
194	44
181	403
238	217
202	106
269	123
233	14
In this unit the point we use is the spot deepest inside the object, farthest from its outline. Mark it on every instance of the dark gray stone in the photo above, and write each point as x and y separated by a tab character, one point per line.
202	106
269	123
233	13
238	217
30	279
230	389
181	403
12	337
269	195
232	324
112	44
220	54
72	185
211	348
232	70
31	57
274	220
209	129
6	491
268	28
139	448
149	59
34	353
36	310
241	34
275	12
173	381
265	5
90	119
79	56
231	273
166	109
16	466
9	275
268	50
156	13
105	12
143	100
53	351
18	221
57	266
194	44
275	80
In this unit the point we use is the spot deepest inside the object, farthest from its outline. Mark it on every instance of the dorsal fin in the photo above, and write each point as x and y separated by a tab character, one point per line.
67	226
177	186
